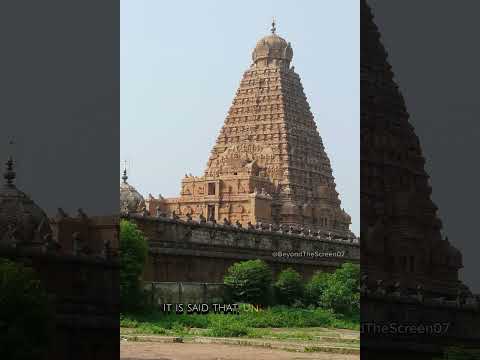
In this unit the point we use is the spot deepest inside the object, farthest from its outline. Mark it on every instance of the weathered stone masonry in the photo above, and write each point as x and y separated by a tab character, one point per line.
192	251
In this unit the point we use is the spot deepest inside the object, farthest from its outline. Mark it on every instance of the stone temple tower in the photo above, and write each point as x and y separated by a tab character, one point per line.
401	238
268	164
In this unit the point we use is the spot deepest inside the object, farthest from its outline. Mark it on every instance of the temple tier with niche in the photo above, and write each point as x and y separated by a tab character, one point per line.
269	164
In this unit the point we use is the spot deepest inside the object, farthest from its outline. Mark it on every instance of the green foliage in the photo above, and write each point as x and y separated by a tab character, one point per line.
237	324
338	291
342	292
249	281
460	353
289	287
315	288
227	326
26	315
179	328
133	254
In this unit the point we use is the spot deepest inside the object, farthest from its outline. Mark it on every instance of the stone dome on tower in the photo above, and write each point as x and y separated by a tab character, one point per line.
272	48
22	222
131	200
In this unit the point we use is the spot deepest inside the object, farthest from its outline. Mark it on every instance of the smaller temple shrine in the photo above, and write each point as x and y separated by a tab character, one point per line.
188	246
22	222
131	201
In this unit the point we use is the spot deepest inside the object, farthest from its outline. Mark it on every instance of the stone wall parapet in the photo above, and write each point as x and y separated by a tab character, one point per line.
263	229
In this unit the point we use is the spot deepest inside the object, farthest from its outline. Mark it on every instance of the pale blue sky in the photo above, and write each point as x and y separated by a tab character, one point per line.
182	61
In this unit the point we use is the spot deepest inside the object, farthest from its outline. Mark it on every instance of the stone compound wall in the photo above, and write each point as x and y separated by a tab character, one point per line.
184	292
202	252
85	290
450	322
91	231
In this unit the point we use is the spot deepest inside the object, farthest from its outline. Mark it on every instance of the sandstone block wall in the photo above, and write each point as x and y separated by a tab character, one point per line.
201	252
184	292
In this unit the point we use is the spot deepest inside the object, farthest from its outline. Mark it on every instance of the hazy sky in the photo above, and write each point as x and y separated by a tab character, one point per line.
181	64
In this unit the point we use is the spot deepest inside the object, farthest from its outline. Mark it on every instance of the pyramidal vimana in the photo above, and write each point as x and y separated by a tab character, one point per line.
268	164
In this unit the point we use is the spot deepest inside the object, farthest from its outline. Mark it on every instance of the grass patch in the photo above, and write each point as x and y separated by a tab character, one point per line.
224	327
284	335
245	323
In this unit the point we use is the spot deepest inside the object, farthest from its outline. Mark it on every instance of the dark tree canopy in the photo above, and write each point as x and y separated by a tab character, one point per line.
26	314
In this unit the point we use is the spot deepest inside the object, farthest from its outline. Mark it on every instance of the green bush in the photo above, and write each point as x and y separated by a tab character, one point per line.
249	281
288	287
342	291
315	288
179	328
26	315
460	353
133	254
227	326
338	291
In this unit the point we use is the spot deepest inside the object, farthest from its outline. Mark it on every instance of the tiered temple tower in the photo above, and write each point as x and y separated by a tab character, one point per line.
269	164
401	238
